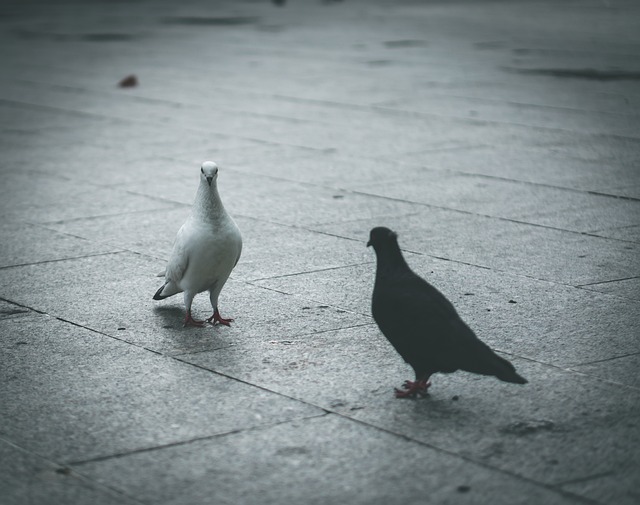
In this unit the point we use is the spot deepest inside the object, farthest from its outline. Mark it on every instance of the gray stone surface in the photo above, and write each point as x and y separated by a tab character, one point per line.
541	165
539	437
123	307
273	199
38	198
528	203
499	139
322	460
630	233
627	288
9	310
102	397
539	320
611	486
30	479
569	257
623	370
24	243
270	249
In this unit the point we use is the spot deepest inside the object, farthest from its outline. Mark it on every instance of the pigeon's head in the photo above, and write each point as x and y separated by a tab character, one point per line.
380	236
209	172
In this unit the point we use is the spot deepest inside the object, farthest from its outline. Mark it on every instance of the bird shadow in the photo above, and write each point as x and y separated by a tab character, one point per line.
189	339
434	408
170	316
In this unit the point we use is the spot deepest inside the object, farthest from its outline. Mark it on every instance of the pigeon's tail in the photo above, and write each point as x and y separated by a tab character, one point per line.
163	293
492	364
506	372
158	295
512	377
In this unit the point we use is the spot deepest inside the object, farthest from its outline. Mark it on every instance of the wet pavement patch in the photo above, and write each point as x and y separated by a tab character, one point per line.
75	37
379	63
591	74
397	44
211	21
106	37
497	44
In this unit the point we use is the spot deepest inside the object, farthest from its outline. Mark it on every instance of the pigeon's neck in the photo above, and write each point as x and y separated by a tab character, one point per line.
390	259
208	205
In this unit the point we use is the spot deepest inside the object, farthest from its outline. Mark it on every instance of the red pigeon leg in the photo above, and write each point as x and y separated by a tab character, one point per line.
217	318
190	321
413	389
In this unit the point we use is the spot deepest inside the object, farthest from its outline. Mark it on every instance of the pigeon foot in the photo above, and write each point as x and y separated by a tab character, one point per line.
413	389
190	321
217	318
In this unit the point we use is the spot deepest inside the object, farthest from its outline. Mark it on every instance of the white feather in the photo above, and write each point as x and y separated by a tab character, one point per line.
207	246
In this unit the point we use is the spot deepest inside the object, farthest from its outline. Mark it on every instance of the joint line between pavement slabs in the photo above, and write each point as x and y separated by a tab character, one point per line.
191	440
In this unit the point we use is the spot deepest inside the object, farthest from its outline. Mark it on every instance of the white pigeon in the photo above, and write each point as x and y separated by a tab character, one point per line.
206	250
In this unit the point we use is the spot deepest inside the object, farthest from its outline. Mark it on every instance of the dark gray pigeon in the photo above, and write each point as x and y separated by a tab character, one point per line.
423	325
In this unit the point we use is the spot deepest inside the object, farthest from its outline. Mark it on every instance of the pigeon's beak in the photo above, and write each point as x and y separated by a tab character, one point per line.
369	243
209	179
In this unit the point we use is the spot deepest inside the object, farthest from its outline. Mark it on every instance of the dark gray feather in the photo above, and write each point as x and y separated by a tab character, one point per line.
421	324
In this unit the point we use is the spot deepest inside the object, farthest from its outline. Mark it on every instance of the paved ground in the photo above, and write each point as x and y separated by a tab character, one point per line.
501	140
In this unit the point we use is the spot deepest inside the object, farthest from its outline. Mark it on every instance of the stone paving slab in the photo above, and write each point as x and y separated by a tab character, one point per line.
617	486
326	118
541	437
150	233
38	150
30	479
323	460
575	120
304	112
331	168
269	249
628	233
623	370
12	310
122	306
273	250
527	203
632	191
569	258
117	105
42	245
541	165
57	200
276	200
103	397
627	288
259	314
94	281
542	321
603	148
384	141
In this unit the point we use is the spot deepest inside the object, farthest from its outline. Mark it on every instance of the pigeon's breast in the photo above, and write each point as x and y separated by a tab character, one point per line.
212	257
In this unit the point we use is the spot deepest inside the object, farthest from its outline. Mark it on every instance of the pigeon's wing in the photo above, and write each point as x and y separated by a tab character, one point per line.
176	266
421	324
426	330
239	252
179	259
